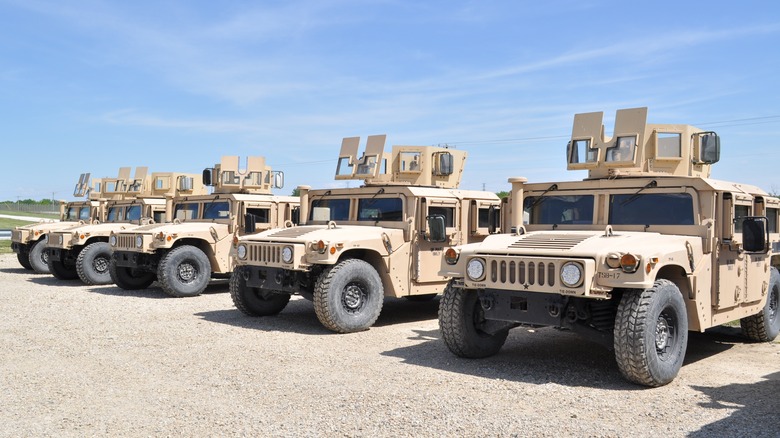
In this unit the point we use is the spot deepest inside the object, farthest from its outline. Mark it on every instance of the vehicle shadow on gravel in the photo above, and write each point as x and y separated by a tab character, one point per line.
299	317
154	291
20	270
50	280
756	408
541	356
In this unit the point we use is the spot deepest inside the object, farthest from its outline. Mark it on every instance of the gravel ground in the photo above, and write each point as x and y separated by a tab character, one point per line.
94	360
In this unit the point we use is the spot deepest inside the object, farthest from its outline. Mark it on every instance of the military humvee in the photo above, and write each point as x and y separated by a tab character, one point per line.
645	249
184	255
29	241
360	244
83	251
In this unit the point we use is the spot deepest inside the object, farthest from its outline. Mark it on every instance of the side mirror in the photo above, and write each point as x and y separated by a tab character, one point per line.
208	176
492	219
709	152
755	234
437	231
295	216
250	223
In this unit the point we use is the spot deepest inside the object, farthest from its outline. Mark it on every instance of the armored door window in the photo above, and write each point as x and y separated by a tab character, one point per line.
771	215
262	215
216	210
158	216
133	213
740	212
380	209
447	212
186	211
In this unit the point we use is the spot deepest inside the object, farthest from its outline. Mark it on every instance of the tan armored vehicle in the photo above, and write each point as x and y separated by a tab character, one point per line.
361	244
83	251
29	241
184	255
645	249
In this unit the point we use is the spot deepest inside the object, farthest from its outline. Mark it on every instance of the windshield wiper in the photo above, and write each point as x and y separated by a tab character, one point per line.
633	197
540	198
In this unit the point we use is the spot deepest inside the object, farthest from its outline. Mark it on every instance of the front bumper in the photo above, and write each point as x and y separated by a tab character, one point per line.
136	260
277	279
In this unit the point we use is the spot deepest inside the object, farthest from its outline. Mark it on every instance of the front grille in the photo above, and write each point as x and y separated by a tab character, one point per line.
125	241
260	253
523	272
547	241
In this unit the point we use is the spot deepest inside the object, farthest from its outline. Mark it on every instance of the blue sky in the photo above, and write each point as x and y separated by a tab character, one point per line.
173	85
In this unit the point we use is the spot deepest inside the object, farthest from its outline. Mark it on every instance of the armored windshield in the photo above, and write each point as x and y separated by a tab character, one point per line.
133	213
561	209
216	210
114	214
380	209
186	211
651	209
84	213
334	209
72	214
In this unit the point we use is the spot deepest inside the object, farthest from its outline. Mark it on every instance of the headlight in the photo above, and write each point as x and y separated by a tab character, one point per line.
287	254
112	240
241	251
629	263
60	239
475	269
139	241
571	274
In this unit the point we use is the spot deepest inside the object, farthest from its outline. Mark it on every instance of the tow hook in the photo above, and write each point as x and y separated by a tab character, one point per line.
486	301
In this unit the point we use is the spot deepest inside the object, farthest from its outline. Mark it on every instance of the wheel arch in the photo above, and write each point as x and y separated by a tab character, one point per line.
376	261
202	245
677	275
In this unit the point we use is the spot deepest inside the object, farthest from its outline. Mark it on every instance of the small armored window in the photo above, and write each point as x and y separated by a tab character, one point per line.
669	145
344	168
581	152
410	162
623	150
161	183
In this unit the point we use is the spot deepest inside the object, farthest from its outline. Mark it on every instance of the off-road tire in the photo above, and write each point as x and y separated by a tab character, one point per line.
60	270
254	301
184	272
129	278
765	325
460	314
420	298
92	264
38	257
24	260
651	334
348	296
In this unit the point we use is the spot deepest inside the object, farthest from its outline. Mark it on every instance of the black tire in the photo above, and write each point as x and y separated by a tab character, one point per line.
651	334
129	278
24	260
60	270
460	315
348	296
765	325
38	257
92	264
420	298
184	272
254	301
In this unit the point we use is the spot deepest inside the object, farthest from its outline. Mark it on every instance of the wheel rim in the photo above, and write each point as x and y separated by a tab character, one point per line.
774	302
45	257
100	265
187	272
665	330
354	297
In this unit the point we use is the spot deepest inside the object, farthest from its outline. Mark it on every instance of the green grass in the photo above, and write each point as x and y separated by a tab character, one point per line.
5	247
31	214
7	224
